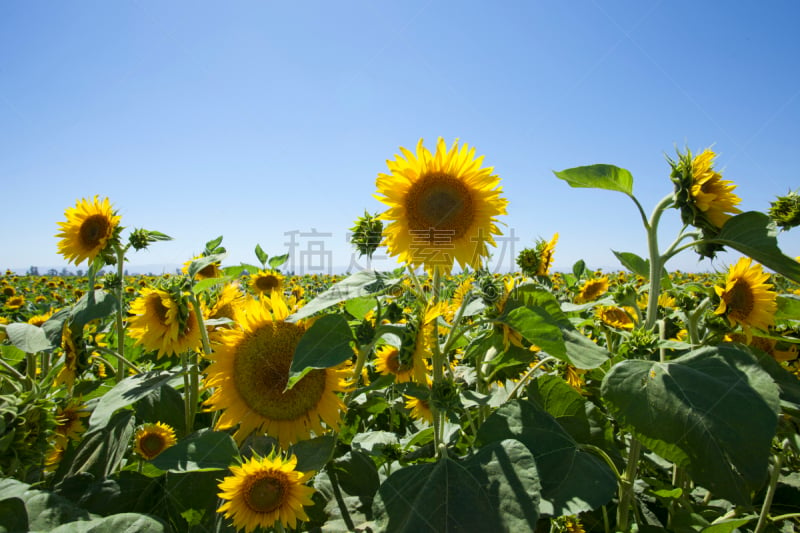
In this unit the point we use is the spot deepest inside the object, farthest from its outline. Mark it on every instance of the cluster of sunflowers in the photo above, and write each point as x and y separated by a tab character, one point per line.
240	397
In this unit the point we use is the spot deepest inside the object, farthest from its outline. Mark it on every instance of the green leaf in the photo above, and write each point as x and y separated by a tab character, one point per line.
164	404
713	411
313	454
195	490
207	283
729	526
359	307
199	264
563	403
126	491
536	325
13	516
788	307
356	474
634	263
202	450
755	235
362	283
28	338
572	481
327	343
579	268
374	442
91	306
278	260
119	522
213	245
607	177
494	490
128	391
261	255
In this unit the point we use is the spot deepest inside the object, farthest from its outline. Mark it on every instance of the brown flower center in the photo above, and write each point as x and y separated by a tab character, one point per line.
439	209
265	494
267	283
93	230
740	299
152	444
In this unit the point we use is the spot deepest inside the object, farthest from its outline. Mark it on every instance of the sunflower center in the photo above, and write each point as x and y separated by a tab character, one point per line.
152	444
740	299
439	208
261	371
157	308
267	283
266	494
94	229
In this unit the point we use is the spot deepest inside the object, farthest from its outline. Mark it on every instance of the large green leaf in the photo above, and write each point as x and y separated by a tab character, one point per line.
128	391
28	338
536	325
327	343
164	404
362	283
139	523
713	411
125	492
356	473
202	450
199	264
572	481
607	177
754	234
494	490
313	454
634	263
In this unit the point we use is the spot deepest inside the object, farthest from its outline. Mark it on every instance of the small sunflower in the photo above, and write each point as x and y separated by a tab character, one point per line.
387	362
68	420
15	302
152	439
89	227
592	290
163	321
616	317
746	298
420	409
210	271
442	207
250	371
538	260
71	346
266	281
265	490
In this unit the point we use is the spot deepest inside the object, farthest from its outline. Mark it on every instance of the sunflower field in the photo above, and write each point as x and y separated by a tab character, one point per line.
438	397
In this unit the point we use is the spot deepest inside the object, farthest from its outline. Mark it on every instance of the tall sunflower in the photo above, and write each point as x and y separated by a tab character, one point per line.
162	321
89	227
746	298
442	207
152	439
250	370
265	490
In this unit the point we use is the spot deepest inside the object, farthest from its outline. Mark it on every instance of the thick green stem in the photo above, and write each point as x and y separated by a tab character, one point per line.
524	379
763	517
626	485
193	367
120	314
438	367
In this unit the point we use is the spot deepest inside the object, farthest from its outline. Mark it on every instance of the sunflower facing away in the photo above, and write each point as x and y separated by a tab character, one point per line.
162	322
746	298
711	194
250	371
89	226
152	439
592	290
263	491
442	207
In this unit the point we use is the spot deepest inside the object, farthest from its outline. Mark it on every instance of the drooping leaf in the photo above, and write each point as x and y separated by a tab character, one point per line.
536	326
28	338
140	523
359	307
101	450
203	450
199	264
572	480
755	234
599	176
713	411
362	283
128	391
327	343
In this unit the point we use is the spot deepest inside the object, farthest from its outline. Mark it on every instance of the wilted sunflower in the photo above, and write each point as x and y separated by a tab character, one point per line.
266	281
592	290
152	439
263	491
746	298
164	322
250	371
89	227
442	207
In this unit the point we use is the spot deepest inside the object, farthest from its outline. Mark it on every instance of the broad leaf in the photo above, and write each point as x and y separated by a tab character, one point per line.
101	450
713	411
202	450
536	325
362	283
313	454
607	177
754	234
28	338
634	263
199	264
140	523
327	343
572	481
128	391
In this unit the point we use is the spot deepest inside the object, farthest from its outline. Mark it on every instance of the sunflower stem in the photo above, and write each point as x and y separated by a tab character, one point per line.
763	517
194	369
11	370
337	493
118	291
438	367
524	379
119	358
626	485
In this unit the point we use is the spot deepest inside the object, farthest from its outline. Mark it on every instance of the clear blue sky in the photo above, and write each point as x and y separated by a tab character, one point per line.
255	119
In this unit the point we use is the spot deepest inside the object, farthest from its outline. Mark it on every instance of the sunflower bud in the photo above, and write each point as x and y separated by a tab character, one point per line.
367	234
444	396
528	261
142	238
785	211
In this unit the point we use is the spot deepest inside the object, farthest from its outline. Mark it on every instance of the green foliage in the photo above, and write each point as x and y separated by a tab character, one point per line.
607	177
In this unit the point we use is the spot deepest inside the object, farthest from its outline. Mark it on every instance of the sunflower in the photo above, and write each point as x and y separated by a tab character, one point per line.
442	207
68	420
226	303
266	281
250	371
265	490
152	439
387	363
615	317
420	409
207	272
38	320
592	290
746	298
71	357
164	322
15	302
89	227
9	291
538	260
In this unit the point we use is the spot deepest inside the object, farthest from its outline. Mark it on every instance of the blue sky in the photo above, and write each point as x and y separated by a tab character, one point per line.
259	120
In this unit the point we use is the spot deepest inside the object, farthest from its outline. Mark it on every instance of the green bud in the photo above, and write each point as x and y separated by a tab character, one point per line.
367	234
785	211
